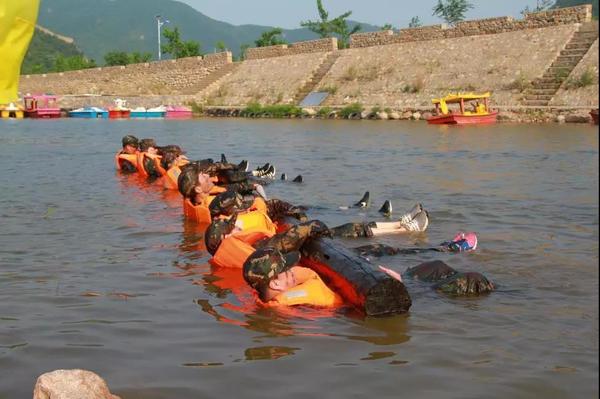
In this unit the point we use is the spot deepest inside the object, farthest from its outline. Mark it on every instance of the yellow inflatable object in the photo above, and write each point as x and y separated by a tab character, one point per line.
17	23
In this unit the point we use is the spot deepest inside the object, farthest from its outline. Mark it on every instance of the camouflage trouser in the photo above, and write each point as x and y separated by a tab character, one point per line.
353	230
278	210
379	250
295	237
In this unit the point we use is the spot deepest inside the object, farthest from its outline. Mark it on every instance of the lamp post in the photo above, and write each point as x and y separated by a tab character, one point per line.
159	23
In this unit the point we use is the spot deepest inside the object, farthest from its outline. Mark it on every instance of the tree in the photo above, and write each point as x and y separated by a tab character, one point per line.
270	38
452	11
177	47
116	58
415	22
387	27
541	5
137	58
72	63
336	27
220	46
122	58
243	48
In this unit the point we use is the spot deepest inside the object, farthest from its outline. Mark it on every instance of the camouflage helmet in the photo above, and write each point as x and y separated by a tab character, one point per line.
130	140
228	203
265	264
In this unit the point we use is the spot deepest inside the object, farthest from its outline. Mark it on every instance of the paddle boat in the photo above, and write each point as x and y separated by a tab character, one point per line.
119	111
156	112
179	112
41	106
11	111
479	112
89	112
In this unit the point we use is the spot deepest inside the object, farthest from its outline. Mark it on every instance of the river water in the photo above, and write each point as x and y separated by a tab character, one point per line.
99	271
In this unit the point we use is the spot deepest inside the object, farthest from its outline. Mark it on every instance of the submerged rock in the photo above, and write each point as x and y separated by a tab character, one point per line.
468	283
435	270
71	384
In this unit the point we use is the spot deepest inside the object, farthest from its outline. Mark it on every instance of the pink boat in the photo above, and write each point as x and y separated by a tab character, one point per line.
41	106
179	112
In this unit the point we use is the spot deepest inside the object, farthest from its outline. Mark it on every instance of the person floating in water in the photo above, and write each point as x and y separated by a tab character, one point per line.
126	159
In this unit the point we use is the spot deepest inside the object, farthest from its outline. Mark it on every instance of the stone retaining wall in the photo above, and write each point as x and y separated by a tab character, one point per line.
410	74
561	16
310	46
161	77
266	81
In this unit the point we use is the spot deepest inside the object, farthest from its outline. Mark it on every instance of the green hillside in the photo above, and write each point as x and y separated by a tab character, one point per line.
571	3
101	26
43	52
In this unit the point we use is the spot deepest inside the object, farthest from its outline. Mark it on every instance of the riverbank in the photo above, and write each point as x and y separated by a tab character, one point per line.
540	68
517	114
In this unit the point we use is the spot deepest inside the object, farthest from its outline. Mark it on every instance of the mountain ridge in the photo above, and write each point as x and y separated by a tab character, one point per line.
107	25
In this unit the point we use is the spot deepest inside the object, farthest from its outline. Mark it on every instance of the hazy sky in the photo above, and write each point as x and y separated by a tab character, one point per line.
288	13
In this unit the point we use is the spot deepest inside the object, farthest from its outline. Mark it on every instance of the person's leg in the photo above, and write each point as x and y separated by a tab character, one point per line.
353	230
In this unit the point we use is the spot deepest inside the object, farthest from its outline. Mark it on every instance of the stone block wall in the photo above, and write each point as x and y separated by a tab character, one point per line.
405	75
161	77
489	26
274	80
309	46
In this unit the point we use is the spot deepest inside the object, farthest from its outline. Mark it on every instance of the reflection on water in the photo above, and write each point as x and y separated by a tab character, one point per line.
100	271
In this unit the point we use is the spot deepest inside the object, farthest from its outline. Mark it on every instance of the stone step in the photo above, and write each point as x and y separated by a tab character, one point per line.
538	97
579	45
564	64
532	103
539	91
568	57
573	53
546	86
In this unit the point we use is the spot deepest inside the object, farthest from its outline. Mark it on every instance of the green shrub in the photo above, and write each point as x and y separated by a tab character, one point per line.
587	78
197	109
252	109
274	110
324	112
348	110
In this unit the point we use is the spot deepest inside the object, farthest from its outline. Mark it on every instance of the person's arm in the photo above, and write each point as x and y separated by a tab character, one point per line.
296	236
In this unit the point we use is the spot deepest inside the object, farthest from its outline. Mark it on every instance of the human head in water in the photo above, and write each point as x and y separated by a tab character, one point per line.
169	154
130	144
271	272
193	182
148	145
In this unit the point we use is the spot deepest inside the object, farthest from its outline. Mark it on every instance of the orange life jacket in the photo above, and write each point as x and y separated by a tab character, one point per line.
121	157
172	175
313	292
235	249
200	212
141	156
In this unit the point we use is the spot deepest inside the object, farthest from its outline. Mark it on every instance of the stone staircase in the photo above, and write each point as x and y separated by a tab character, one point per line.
317	76
545	88
210	79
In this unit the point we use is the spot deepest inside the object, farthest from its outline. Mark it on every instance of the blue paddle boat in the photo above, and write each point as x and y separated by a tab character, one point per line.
89	112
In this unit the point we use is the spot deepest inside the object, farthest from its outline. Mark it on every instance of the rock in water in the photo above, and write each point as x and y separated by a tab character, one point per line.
71	384
468	283
435	270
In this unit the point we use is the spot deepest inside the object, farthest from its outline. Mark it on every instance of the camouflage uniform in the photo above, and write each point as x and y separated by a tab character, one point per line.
295	237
